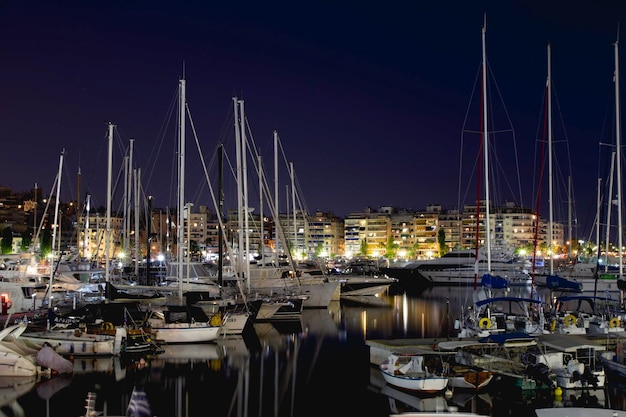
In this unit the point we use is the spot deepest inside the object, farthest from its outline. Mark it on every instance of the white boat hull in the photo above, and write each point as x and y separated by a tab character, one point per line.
73	342
430	384
186	333
12	364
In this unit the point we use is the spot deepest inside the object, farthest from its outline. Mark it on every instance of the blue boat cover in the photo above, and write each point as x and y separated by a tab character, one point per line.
555	282
494	281
510	299
501	338
584	297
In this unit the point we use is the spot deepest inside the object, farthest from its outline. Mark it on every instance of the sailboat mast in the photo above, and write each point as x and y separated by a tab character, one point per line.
276	204
618	146
136	182
569	217
608	215
220	208
598	251
78	211
56	217
240	263
293	204
86	251
262	234
550	201
107	255
244	174
35	229
486	149
181	188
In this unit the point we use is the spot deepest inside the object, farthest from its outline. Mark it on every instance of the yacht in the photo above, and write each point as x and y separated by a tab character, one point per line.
461	266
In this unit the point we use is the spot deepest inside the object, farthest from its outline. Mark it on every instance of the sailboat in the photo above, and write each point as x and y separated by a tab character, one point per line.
267	280
183	323
551	280
486	317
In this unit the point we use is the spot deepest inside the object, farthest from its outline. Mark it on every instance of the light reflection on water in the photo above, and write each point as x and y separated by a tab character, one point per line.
317	365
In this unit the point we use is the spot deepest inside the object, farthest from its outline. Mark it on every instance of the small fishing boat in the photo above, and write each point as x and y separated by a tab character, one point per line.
418	373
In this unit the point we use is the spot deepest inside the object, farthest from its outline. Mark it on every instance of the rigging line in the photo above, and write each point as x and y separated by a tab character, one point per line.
569	169
91	174
43	216
215	204
160	139
271	204
461	153
539	189
508	117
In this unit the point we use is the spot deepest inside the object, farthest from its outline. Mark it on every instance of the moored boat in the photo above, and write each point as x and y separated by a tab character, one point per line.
413	373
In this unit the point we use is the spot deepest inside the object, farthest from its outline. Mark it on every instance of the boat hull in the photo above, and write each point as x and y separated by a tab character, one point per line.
427	385
76	342
186	333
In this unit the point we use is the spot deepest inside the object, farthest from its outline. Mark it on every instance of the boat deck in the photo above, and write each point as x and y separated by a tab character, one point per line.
380	348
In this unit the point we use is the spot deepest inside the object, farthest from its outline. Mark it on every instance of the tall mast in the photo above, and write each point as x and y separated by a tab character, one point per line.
78	212
107	255
608	215
244	175
618	158
136	182
220	208
126	222
86	251
262	232
35	227
293	204
240	262
550	208
56	217
181	187
276	201
486	149
569	217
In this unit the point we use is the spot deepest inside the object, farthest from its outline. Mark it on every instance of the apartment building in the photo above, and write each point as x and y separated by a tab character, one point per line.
325	235
370	228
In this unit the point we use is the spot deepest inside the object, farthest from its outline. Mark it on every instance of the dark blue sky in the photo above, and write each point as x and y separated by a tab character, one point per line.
369	100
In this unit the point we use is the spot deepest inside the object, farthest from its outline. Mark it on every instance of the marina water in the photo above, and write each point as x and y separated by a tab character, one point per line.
318	365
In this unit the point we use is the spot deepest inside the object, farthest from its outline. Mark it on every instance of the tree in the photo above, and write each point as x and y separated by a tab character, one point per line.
441	238
7	240
319	249
26	241
194	248
364	247
391	248
46	241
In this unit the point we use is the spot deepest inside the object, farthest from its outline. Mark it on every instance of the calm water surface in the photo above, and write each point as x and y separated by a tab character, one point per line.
316	366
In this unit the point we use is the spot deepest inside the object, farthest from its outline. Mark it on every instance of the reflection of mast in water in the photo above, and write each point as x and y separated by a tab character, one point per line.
283	349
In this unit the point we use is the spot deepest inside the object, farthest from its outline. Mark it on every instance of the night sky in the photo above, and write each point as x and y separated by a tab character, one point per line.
372	102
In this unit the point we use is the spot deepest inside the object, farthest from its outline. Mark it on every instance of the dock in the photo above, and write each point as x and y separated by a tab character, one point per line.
380	348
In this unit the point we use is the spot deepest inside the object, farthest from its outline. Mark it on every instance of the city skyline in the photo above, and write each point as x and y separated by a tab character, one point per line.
370	103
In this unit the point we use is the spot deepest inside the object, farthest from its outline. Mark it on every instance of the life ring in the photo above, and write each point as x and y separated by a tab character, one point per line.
570	320
484	323
107	326
614	323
